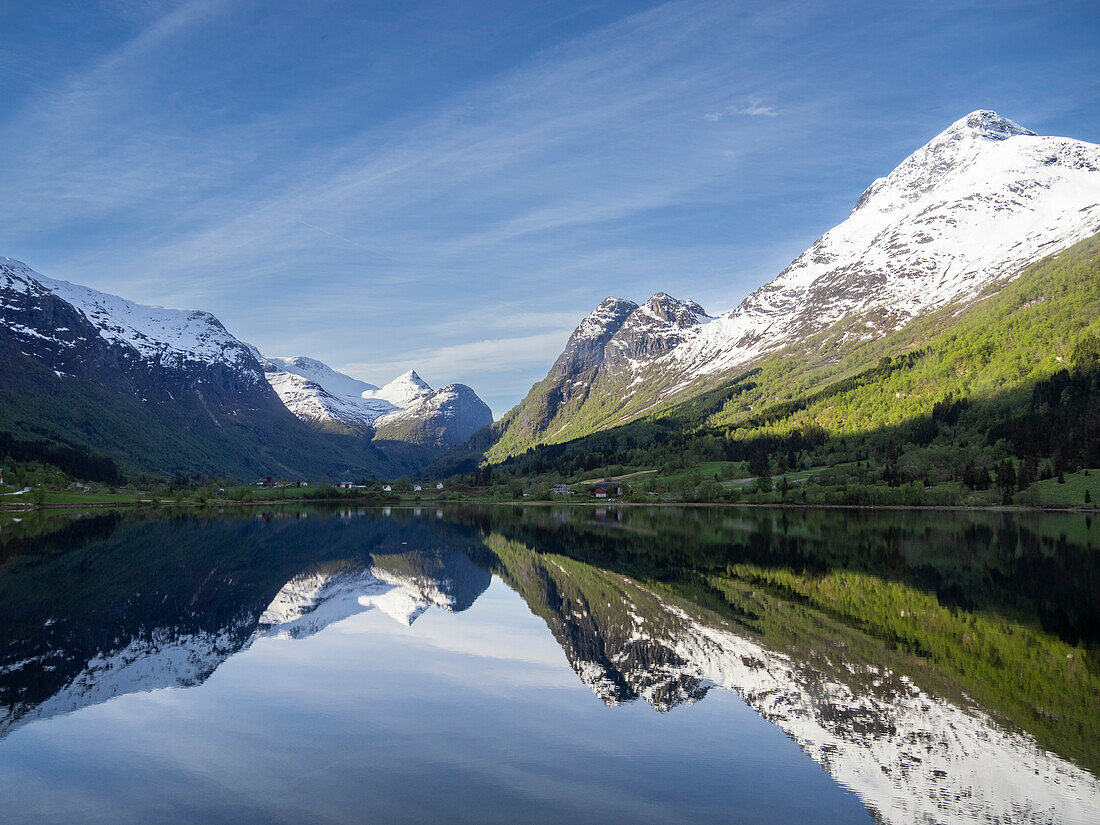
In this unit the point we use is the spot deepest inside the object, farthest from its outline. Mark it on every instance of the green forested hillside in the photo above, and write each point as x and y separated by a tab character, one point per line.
988	350
40	407
975	402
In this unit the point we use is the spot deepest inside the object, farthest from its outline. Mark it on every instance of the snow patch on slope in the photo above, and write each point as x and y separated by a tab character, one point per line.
313	403
407	390
321	374
168	337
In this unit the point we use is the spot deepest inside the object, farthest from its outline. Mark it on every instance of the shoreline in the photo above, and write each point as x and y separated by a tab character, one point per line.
164	504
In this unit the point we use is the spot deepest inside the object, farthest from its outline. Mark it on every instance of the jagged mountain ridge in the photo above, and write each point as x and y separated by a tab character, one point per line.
970	209
406	409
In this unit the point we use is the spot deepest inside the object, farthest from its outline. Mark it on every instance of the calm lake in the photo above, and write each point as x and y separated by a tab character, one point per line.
549	664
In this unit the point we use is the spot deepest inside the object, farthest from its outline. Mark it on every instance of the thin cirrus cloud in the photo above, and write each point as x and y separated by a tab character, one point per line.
349	184
755	107
458	210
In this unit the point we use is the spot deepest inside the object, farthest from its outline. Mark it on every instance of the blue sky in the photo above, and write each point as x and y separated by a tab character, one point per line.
451	186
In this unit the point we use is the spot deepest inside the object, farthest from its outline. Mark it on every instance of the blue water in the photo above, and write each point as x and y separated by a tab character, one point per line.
472	717
455	678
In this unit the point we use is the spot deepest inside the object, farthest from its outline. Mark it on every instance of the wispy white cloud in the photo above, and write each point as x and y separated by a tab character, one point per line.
754	107
486	356
421	238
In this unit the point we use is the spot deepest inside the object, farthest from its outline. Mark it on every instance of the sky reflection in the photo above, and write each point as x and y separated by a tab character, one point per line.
463	717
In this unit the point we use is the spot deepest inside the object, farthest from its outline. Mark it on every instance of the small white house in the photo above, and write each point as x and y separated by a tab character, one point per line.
417	488
439	485
386	488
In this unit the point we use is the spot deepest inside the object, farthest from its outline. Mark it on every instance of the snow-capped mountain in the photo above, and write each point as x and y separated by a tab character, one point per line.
968	210
406	390
172	390
406	409
442	418
975	205
161	390
59	321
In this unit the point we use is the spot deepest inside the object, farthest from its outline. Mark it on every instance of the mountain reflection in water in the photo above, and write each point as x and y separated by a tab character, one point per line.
942	666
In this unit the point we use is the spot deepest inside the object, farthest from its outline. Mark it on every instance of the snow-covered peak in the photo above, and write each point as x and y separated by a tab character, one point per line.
605	318
321	374
987	124
942	160
976	204
170	337
407	390
442	418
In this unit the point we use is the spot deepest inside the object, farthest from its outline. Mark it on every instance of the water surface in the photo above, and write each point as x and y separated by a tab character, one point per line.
550	664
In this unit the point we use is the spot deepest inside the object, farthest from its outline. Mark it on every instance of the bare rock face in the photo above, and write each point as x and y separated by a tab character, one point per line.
585	349
655	328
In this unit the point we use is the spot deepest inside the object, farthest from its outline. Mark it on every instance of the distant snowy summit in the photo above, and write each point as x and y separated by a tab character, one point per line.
406	409
968	210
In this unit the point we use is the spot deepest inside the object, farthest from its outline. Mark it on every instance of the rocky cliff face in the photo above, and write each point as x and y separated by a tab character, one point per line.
654	329
964	213
585	349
